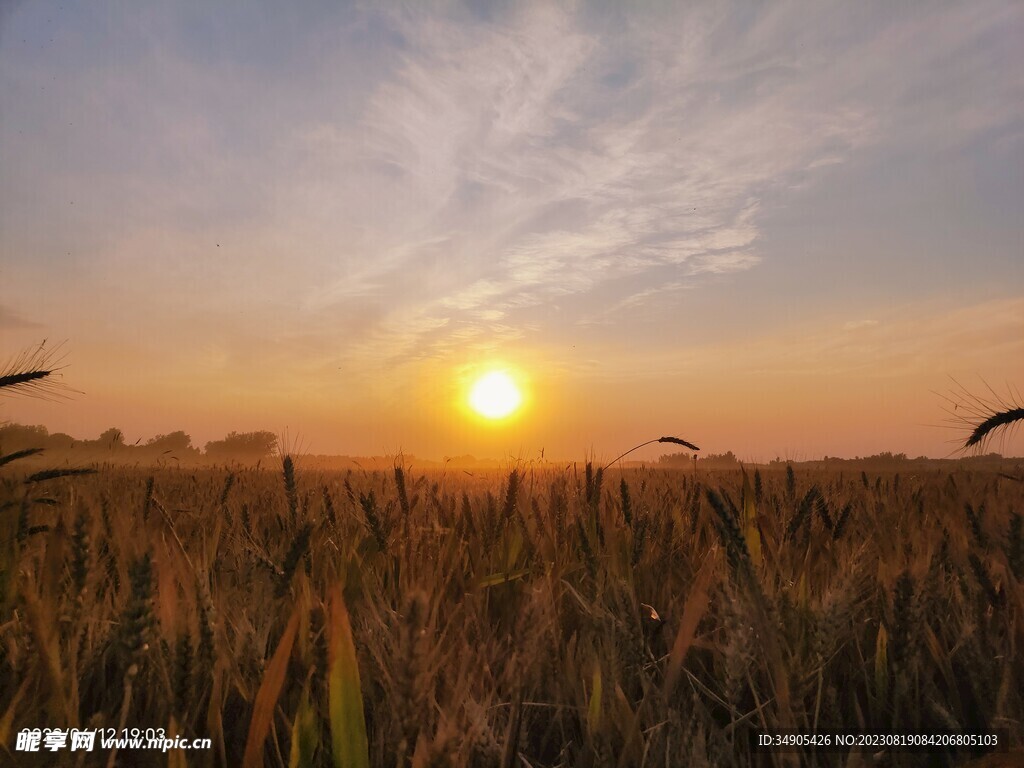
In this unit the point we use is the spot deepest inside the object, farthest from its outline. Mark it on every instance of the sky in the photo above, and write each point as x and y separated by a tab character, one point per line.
783	229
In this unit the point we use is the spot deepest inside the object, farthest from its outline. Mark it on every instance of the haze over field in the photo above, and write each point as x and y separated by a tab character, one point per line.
776	229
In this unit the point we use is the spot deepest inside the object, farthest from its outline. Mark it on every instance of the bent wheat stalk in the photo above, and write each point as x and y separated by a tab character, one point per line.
984	416
676	440
992	423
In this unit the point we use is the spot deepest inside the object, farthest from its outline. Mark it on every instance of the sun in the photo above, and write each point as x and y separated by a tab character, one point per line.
495	395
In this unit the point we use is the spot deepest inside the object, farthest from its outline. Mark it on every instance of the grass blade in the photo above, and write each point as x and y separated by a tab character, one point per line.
348	721
304	734
750	530
266	697
502	578
693	610
594	708
882	663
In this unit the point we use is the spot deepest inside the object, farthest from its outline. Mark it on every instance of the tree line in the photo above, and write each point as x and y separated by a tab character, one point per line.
241	446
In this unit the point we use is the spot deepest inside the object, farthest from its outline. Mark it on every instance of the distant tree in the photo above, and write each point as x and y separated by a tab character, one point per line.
675	459
982	458
111	439
244	446
720	458
60	441
15	437
886	457
176	444
465	460
175	441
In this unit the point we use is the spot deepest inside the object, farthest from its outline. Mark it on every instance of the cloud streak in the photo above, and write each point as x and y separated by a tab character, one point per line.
547	160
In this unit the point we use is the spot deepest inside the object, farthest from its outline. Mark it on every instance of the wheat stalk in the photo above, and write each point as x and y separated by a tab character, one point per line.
992	423
983	416
31	373
675	440
19	455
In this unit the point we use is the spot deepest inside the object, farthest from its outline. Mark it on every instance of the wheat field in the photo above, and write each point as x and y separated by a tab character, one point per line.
542	615
539	616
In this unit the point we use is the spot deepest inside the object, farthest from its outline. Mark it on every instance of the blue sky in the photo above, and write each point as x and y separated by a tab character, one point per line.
772	223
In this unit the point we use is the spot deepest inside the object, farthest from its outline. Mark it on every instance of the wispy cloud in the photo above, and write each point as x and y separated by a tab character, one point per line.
854	325
10	320
493	130
545	159
927	340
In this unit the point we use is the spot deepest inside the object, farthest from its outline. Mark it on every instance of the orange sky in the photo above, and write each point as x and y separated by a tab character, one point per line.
842	389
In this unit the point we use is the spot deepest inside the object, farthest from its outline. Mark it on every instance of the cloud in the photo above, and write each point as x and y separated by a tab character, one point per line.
925	340
853	325
543	180
552	162
10	320
466	182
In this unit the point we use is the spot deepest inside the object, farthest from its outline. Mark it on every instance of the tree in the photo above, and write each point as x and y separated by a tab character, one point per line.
244	446
60	441
112	439
728	458
173	442
176	445
675	459
15	437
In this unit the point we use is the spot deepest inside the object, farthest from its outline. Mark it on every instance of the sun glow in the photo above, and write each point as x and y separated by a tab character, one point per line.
495	395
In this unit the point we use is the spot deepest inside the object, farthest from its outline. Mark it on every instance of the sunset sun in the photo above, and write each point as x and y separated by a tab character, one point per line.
495	395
